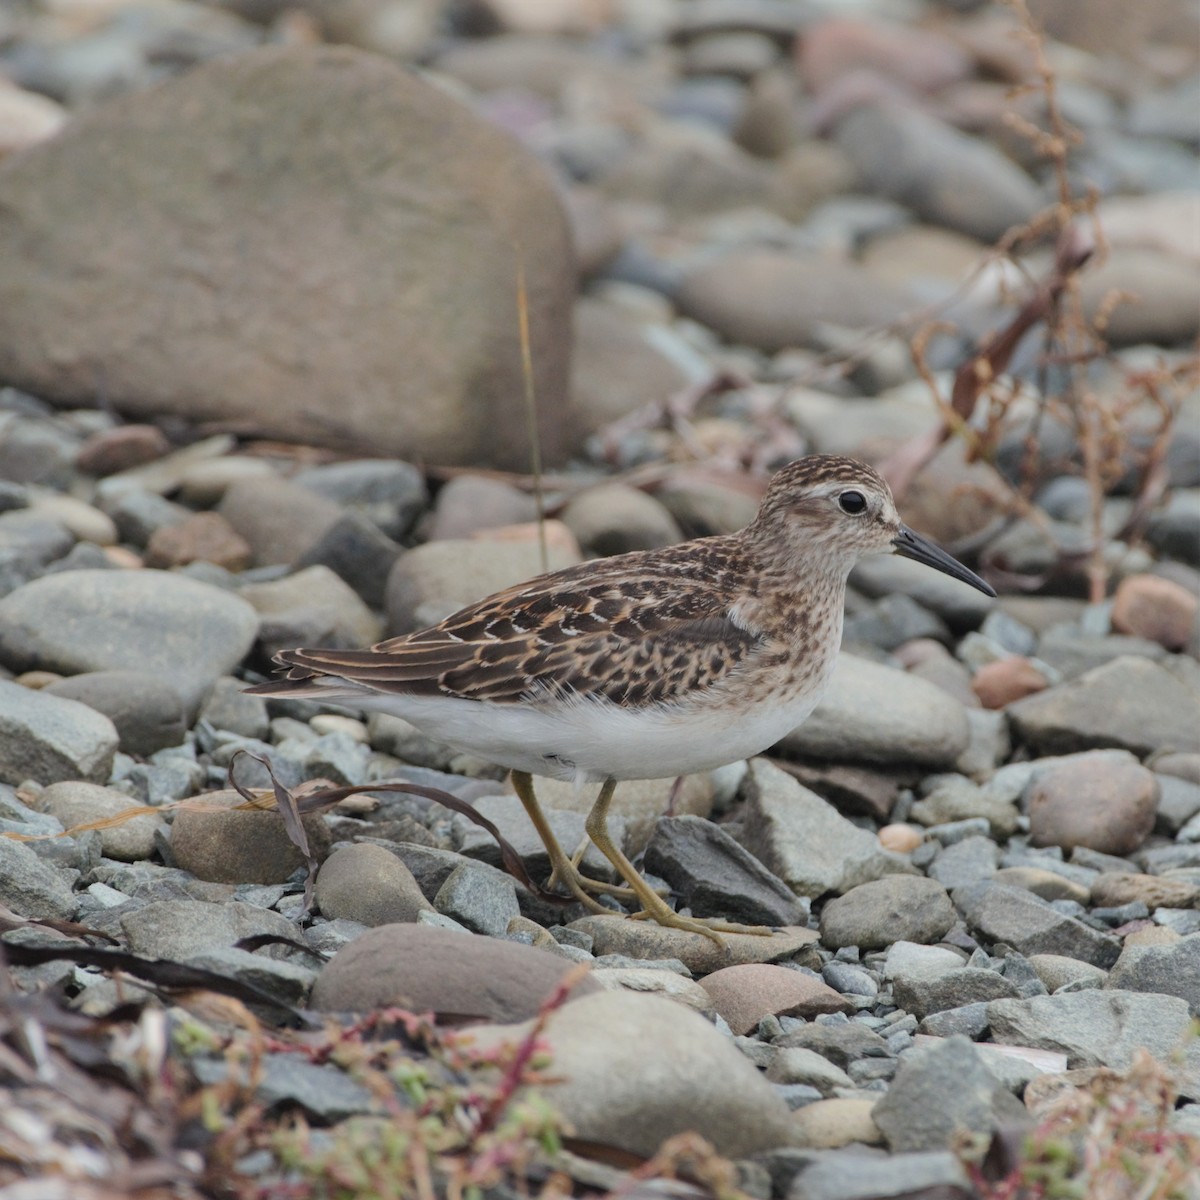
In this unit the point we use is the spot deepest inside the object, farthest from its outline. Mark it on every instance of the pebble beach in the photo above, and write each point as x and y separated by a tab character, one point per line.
278	285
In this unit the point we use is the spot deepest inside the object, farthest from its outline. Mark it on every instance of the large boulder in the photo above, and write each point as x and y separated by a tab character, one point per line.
306	242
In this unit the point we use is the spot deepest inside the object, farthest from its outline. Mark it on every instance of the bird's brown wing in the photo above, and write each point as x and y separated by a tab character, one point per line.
634	638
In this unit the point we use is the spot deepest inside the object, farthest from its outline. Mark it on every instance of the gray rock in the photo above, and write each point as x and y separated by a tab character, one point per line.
28	543
873	915
185	632
795	1064
434	580
966	862
31	887
805	841
1174	530
955	989
890	622
1101	1028
635	1070
714	876
774	299
1056	971
228	707
886	574
613	518
138	514
313	607
288	982
958	799
324	1091
338	757
946	177
47	738
146	710
843	1044
852	1175
438	970
179	930
849	980
874	713
355	549
388	492
1130	703
970	1021
1178	803
1072	651
908	960
76	803
1172	970
368	885
940	1090
417	354
1031	925
480	898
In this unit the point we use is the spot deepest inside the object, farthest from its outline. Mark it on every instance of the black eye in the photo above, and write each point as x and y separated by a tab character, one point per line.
852	503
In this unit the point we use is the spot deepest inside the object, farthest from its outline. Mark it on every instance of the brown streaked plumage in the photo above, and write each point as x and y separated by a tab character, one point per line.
650	664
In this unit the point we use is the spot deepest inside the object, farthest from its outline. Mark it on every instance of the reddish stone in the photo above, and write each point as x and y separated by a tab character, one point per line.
1158	609
205	537
998	684
119	449
744	994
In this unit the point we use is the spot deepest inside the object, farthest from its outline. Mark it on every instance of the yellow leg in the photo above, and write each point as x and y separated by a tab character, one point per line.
652	903
564	870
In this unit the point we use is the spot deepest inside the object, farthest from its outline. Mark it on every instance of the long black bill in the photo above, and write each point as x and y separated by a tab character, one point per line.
912	545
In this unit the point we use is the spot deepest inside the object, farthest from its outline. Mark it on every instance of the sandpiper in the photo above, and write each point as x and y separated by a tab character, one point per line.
645	665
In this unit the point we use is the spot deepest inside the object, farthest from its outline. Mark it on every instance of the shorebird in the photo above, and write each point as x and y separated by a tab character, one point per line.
653	664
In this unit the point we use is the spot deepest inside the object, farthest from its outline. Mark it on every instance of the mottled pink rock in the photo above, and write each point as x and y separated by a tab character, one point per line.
744	994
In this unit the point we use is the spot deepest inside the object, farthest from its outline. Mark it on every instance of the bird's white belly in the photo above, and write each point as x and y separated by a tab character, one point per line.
588	740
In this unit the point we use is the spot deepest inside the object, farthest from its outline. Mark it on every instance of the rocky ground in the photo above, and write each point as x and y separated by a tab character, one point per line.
262	386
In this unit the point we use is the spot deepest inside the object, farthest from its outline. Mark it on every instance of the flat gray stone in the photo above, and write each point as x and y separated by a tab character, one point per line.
966	862
478	897
31	887
182	929
805	841
47	738
1101	1028
636	1070
873	915
146	710
443	971
286	981
716	877
874	713
955	989
1031	925
186	632
1173	970
940	1090
1130	703
857	1176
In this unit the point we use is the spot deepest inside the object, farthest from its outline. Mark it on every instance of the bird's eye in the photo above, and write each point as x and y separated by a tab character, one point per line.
852	503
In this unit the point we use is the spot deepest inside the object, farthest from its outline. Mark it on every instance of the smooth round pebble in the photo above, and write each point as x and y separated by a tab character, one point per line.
216	841
370	885
76	803
873	915
744	994
1101	801
447	972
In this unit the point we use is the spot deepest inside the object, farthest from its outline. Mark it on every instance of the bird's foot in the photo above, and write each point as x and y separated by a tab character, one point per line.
709	927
